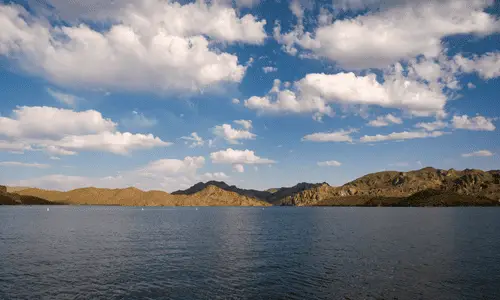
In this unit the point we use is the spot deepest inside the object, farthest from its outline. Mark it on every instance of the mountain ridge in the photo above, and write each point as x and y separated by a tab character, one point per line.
425	187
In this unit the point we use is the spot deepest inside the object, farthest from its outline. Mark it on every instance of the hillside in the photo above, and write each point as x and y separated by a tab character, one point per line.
15	199
424	187
473	187
209	196
272	196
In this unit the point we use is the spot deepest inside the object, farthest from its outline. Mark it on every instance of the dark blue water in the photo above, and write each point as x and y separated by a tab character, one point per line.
249	253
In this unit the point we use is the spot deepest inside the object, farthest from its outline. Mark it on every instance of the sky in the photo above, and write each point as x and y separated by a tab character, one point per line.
161	94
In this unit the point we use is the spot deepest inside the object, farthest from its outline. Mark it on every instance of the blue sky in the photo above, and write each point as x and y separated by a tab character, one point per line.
160	94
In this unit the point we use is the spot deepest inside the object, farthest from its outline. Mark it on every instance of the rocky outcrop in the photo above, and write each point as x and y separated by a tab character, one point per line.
272	196
392	185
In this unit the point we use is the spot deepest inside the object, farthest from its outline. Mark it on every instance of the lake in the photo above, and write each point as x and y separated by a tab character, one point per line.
249	253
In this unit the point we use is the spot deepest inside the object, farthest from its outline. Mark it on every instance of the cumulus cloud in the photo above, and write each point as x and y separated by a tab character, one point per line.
477	123
329	163
487	66
175	166
195	139
14	146
317	91
64	98
336	136
431	126
239	168
243	157
21	164
139	51
405	135
269	69
232	135
399	32
235	101
247	124
480	153
51	122
114	142
386	120
64	132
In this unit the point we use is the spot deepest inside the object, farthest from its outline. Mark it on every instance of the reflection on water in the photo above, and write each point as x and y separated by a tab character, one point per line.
249	253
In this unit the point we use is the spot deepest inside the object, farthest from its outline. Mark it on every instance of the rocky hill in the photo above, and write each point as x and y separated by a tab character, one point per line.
15	199
209	196
272	196
475	187
425	187
261	195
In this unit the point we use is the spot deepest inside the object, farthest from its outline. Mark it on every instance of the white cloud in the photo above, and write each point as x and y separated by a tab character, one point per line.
399	32
480	153
244	157
235	101
55	158
487	65
247	124
315	92
50	122
405	135
139	51
195	139
385	121
55	150
175	166
67	99
431	126
269	69
63	132
336	136
238	168
21	164
138	120
17	147
329	163
114	142
214	176
471	86
478	123
231	135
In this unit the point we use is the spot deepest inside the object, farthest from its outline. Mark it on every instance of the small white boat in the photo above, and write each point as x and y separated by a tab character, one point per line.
142	208
48	209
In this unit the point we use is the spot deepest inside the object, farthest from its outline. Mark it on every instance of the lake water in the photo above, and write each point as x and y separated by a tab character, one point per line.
249	253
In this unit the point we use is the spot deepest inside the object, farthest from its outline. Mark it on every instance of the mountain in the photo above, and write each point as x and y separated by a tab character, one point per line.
428	186
261	195
272	196
15	199
424	187
209	196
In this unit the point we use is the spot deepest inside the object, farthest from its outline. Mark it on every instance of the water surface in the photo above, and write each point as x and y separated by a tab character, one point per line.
249	253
